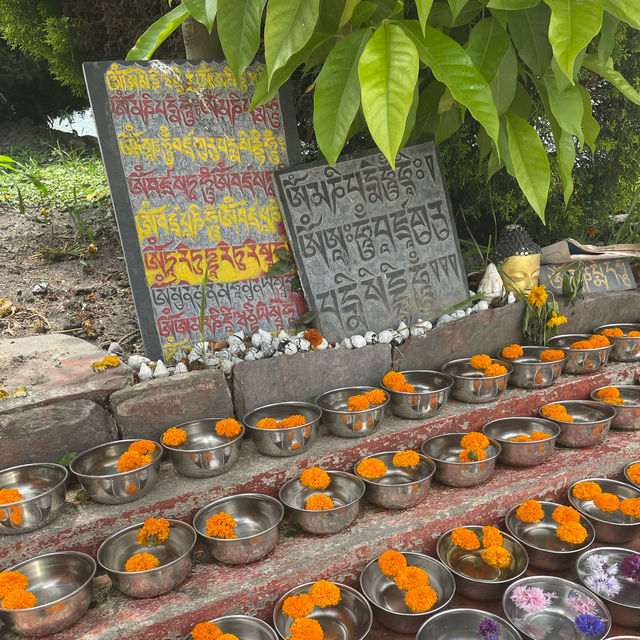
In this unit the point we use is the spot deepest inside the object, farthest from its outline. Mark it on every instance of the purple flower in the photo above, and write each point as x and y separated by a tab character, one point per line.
603	584
630	566
598	564
489	630
591	625
581	604
532	599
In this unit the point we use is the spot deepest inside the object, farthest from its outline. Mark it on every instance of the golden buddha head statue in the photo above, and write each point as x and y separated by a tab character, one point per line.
517	257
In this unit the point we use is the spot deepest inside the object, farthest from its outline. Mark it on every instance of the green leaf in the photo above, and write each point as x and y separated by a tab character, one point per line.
521	104
295	284
347	12
452	66
590	125
566	106
411	118
280	268
456	7
424	7
286	255
530	162
450	122
427	118
203	11
494	164
239	30
607	36
503	86
363	12
573	24
529	32
67	458
337	94
512	4
386	9
388	72
627	10
484	144
487	44
566	154
287	30
157	33
609	73
308	317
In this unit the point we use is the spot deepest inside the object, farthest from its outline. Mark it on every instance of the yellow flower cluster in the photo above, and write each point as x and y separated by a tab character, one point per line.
109	361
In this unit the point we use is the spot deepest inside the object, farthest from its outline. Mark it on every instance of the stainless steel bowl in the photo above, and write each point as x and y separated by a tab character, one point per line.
625	348
522	454
625	605
62	582
98	473
244	627
258	519
529	372
614	528
544	548
444	450
627	416
462	624
350	424
350	619
346	491
470	385
557	620
387	601
175	555
400	487
42	486
205	453
625	473
474	578
432	392
284	442
580	360
590	426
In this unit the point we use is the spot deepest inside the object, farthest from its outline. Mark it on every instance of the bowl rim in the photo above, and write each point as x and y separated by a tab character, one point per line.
344	474
238	616
83	556
256	496
118	474
601	327
404	613
551	423
626	476
465	611
118	533
421	393
44	493
282	429
583	547
635	387
479	580
456	376
592	517
431	463
572	402
493	441
578	335
514	361
179	448
370	409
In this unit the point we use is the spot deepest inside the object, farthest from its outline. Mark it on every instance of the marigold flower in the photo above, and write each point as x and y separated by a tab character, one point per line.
530	511
143	446
292	421
572	532
520	438
319	502
608	502
111	361
141	562
633	472
130	460
298	606
421	599
371	468
465	538
305	629
357	403
616	401
475	441
587	490
206	631
555	320
469	455
600	341
512	351
315	478
393	380
406	388
221	525
376	396
9	496
267	423
491	537
314	337
229	428
539	435
154	531
174	436
497	557
552	355
480	361
614	332
633	334
608	392
13	581
98	367
411	577
630	507
325	594
557	412
19	599
538	296
408	458
563	514
391	561
495	370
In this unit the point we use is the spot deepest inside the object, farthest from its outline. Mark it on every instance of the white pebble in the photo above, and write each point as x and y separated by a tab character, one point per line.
161	370
417	332
459	313
40	289
290	349
511	298
136	360
467	311
226	366
385	337
444	319
303	344
371	337
179	355
181	367
114	347
259	355
403	330
358	341
282	336
234	341
425	324
346	343
323	345
250	356
145	372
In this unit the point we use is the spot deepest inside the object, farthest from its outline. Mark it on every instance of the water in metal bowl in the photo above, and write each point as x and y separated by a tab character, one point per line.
580	361
471	385
529	372
431	394
463	624
627	416
244	627
625	348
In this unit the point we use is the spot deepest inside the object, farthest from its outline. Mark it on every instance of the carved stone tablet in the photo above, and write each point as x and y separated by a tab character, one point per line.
373	246
600	276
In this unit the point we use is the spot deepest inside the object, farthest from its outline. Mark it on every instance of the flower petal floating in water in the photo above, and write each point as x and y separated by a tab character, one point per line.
154	531
319	502
12	581
421	599
305	629
315	478
489	630
206	631
376	396
480	361
221	525
410	578
530	511
174	436
572	532
512	351
408	458
465	538
475	441
19	599
497	557
532	599
325	593
586	490
391	561
630	566
298	606
141	562
229	428
371	468
591	625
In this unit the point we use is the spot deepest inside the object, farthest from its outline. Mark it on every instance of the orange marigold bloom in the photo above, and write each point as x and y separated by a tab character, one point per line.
315	478
408	458
512	351
267	423
495	370
615	332
221	525
599	341
228	428
154	531
539	435
228	636
16	515
292	421
411	577
633	334
572	532
491	537
538	296
633	472
498	557
557	412
616	401
406	388
563	514
376	396
130	460
391	561
587	490
480	361
581	344
13	581
465	538
325	593
111	361
319	502
421	599
19	599
608	392
520	438
313	336
371	468
9	496
143	446
469	455
174	436
206	631
357	403
608	502
141	562
394	380
475	441
551	355
530	511
630	507
305	629
298	606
